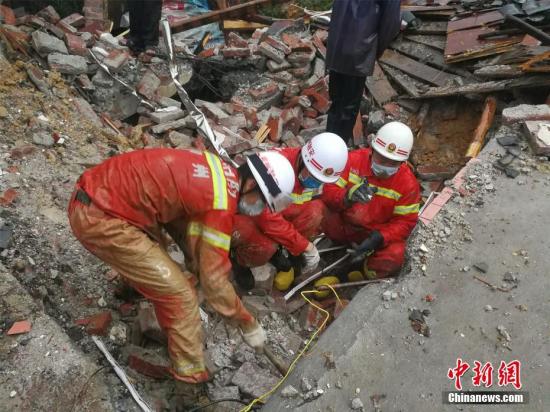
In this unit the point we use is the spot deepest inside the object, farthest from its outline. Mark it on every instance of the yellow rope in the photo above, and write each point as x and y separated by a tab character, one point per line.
291	367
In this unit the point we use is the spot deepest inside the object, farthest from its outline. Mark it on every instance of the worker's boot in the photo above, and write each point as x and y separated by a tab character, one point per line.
281	260
243	276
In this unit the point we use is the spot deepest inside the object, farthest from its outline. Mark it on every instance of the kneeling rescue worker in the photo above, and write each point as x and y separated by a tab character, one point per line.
260	238
375	203
119	208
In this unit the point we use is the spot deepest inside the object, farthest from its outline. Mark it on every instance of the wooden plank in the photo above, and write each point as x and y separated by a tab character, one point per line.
437	42
478	20
217	15
524	82
379	86
241	25
415	69
427	55
407	83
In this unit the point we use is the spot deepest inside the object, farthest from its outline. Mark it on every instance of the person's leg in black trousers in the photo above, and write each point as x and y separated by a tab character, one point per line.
345	93
151	20
135	37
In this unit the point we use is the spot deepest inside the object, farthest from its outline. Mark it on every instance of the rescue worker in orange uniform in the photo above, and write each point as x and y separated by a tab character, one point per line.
256	239
119	208
375	203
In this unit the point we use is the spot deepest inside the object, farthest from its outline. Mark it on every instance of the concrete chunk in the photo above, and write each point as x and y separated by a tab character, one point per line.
526	112
176	124
263	276
45	44
252	380
167	115
67	64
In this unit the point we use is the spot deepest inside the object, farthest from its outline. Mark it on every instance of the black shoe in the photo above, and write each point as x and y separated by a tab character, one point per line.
281	260
243	277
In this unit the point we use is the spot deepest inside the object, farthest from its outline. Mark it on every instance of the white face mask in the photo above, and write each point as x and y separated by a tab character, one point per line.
383	171
251	209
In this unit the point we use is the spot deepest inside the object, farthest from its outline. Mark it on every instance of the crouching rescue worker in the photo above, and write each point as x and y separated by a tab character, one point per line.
119	208
260	238
375	203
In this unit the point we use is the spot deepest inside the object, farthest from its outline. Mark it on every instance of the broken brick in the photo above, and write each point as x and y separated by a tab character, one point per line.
537	135
292	119
275	67
180	140
35	21
148	85
311	113
251	117
85	83
277	44
18	39
275	124
319	94
22	326
291	40
318	43
393	109
148	363
67	63
211	110
301	72
8	197
236	52
7	15
97	324
299	59
234	40
49	14
198	143
76	20
56	31
45	44
67	28
206	53
264	90
292	89
308	122
86	110
358	132
127	309
75	44
526	112
271	52
116	59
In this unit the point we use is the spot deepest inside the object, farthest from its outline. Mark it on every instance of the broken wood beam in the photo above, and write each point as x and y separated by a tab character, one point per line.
524	82
241	25
217	15
404	81
379	86
485	123
529	29
416	69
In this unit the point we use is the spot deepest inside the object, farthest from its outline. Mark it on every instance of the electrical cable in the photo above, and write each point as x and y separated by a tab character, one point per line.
313	336
198	408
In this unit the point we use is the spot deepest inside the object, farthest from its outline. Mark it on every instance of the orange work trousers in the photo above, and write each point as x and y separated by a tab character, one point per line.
146	265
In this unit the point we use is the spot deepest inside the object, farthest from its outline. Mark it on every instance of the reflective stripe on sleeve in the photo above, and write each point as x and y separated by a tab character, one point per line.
406	209
211	236
341	182
353	178
385	192
218	181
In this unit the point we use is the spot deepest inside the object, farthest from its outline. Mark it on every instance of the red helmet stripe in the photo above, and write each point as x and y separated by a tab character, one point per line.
315	164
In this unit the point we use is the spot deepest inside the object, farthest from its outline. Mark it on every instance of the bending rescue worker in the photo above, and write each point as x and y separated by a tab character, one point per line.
119	208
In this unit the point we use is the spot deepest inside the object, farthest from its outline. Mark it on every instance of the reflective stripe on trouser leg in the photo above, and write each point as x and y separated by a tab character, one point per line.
151	271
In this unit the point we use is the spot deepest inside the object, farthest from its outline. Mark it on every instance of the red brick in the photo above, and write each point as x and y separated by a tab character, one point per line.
301	72
321	35
393	109
291	40
234	40
97	324
236	52
8	197
67	28
311	112
358	130
263	91
277	44
116	59
75	44
275	124
76	20
206	53
321	49
148	366
18	39
94	26
198	143
309	123
292	89
7	14
35	21
318	93
23	326
292	119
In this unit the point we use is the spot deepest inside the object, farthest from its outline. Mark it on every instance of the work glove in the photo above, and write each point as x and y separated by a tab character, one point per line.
368	246
255	338
311	257
359	193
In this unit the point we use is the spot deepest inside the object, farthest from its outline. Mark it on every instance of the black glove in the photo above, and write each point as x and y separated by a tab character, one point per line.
360	193
372	243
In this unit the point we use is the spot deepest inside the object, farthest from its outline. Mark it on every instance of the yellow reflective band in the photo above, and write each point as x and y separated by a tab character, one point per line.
353	178
218	181
384	192
301	198
211	236
341	182
406	209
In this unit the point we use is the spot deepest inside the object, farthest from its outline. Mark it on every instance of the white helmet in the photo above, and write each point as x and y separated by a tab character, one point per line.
394	140
325	157
275	177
